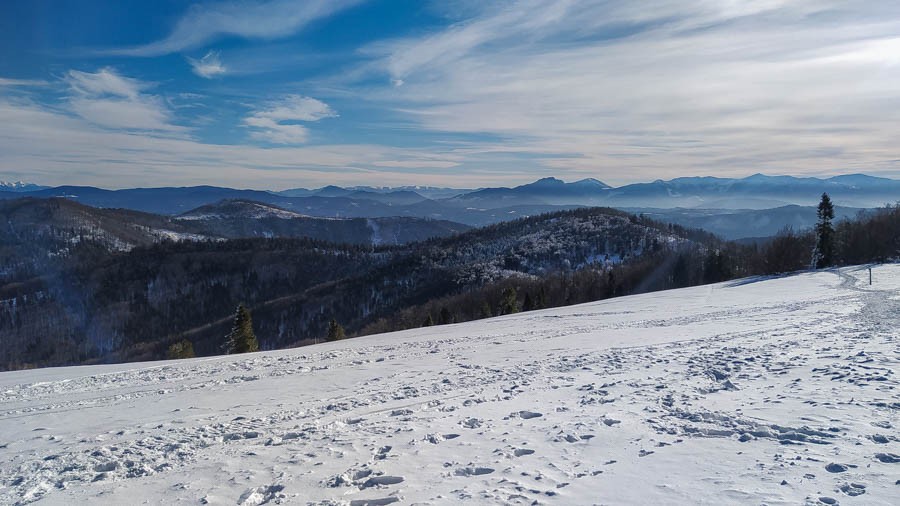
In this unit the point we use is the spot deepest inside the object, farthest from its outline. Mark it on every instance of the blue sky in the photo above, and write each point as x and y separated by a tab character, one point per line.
283	93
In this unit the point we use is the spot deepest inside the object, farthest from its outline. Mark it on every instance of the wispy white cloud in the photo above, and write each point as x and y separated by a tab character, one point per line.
108	99
271	19
4	81
638	90
105	81
44	144
277	122
209	66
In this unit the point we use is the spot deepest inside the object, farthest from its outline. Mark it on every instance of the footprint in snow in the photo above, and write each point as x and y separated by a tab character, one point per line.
374	502
473	471
888	458
381	481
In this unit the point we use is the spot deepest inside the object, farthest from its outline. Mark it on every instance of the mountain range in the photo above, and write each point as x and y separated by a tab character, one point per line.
491	205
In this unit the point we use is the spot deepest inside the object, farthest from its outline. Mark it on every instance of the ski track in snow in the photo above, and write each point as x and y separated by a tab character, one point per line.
780	391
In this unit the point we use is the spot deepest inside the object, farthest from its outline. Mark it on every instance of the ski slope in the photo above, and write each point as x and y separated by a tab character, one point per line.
775	391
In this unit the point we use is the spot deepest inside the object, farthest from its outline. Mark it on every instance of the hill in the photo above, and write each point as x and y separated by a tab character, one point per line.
116	304
776	391
244	218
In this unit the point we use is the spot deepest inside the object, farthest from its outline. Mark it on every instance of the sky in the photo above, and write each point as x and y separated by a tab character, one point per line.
276	94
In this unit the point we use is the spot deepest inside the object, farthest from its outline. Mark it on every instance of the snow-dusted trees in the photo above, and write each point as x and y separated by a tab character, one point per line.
241	339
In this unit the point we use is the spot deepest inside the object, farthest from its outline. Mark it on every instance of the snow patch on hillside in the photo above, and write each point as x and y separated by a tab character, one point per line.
775	391
248	210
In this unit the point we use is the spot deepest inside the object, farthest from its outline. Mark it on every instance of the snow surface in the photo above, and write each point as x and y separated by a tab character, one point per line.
761	391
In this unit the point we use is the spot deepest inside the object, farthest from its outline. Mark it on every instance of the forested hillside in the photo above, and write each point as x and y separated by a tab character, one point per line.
105	303
98	300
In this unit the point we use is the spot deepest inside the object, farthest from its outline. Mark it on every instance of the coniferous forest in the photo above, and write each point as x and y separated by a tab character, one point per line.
71	296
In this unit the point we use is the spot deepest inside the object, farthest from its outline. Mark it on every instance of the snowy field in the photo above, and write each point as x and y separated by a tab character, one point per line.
780	391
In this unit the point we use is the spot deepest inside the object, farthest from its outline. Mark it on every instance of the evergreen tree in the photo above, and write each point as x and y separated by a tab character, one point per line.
335	331
610	284
528	304
241	339
446	317
181	349
429	321
509	301
486	310
542	299
823	254
680	272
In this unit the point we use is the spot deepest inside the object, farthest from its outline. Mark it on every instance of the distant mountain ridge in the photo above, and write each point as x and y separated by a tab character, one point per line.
234	219
19	186
491	205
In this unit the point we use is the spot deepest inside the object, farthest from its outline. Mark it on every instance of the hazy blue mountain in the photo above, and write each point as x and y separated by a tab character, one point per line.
490	205
428	192
295	192
756	192
398	197
744	223
332	191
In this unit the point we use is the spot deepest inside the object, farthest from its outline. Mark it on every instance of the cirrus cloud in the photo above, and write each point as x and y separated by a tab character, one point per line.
277	122
209	66
271	19
108	99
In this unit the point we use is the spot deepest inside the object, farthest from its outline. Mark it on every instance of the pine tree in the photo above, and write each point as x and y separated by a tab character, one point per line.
429	321
823	254
445	317
611	284
335	331
181	349
509	301
528	304
241	339
486	310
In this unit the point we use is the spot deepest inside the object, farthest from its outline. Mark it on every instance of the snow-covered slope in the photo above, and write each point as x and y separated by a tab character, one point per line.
779	391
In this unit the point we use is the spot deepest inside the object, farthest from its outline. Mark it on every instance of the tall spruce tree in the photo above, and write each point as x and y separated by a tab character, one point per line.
528	304
241	339
445	316
509	301
823	254
335	331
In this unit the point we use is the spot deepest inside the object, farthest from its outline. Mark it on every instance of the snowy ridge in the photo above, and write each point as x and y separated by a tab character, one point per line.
779	391
240	209
19	186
